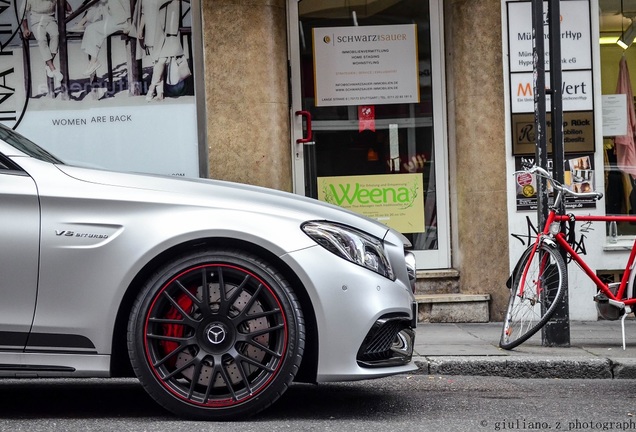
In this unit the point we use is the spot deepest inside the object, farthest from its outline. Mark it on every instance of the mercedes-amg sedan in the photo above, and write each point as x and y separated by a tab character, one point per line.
216	296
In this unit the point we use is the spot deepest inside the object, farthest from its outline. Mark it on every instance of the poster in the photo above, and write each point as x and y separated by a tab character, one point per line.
393	199
368	65
104	83
578	177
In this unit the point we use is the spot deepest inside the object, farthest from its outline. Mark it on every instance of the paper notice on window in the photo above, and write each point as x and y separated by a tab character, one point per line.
614	115
368	65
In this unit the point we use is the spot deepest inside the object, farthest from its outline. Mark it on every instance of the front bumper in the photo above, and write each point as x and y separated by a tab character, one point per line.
348	303
390	342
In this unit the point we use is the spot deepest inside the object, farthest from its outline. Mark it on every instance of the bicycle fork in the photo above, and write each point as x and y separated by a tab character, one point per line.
543	239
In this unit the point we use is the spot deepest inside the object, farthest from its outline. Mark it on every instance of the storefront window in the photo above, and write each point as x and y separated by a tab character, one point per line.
618	66
376	148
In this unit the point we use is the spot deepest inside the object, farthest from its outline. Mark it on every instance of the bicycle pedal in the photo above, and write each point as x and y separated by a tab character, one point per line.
609	310
601	298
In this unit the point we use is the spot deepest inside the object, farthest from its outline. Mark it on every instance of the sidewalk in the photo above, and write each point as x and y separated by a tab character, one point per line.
472	349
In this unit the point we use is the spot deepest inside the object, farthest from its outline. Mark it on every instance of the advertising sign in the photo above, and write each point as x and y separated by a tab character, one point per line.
578	132
369	65
393	199
108	83
575	35
577	88
576	91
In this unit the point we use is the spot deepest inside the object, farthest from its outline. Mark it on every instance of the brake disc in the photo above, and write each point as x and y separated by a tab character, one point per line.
248	350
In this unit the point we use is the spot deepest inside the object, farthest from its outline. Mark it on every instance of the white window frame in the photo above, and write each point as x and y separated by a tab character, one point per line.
439	258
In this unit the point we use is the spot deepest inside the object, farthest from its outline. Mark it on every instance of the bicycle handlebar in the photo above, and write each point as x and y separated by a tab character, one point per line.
537	170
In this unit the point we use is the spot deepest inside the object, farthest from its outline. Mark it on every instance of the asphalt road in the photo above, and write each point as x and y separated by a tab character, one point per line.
400	403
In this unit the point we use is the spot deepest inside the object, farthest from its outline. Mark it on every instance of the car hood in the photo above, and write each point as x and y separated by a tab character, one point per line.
222	194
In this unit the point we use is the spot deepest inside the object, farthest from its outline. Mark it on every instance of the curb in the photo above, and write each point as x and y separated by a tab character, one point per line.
538	367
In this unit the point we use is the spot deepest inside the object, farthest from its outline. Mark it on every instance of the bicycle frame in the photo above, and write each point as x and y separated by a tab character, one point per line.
560	239
563	243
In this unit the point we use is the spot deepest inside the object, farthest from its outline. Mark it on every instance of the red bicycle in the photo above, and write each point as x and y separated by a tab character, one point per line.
538	280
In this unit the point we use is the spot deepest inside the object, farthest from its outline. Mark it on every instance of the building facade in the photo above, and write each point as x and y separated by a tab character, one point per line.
261	68
413	112
250	122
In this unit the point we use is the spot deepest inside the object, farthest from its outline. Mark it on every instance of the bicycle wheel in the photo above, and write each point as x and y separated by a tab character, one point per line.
537	289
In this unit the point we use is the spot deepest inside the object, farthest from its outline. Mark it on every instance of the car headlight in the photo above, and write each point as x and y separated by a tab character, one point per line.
353	245
411	268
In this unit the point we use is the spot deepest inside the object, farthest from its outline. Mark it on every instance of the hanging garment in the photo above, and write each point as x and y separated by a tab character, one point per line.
625	150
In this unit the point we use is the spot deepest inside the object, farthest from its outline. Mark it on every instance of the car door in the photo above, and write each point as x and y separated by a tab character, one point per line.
19	254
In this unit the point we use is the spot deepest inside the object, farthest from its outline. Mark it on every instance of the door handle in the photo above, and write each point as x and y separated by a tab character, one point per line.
307	116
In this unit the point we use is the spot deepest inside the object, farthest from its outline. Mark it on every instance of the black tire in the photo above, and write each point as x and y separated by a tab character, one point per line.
226	358
530	307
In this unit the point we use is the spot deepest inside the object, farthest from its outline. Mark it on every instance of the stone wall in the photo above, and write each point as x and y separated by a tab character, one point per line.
246	92
477	148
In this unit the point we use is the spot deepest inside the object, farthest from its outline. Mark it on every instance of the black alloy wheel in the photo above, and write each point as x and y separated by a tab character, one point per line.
216	335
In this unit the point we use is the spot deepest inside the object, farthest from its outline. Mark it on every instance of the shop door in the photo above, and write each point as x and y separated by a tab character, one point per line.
368	114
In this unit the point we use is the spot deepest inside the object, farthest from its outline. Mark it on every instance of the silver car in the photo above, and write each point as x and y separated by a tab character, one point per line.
216	296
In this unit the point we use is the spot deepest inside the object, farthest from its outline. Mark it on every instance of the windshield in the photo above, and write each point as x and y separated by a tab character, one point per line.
19	142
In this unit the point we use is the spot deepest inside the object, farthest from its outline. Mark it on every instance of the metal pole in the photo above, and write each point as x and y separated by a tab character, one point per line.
557	331
538	60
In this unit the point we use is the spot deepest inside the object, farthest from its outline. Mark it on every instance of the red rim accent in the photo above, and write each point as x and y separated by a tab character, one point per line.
178	335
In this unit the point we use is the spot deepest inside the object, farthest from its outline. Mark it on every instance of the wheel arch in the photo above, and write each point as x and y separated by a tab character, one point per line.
120	362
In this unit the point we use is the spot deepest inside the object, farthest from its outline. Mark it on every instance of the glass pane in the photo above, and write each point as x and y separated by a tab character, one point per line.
617	64
399	138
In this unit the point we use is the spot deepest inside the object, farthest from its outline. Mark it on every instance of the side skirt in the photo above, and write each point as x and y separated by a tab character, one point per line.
35	365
